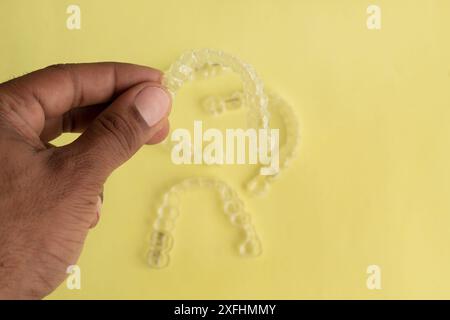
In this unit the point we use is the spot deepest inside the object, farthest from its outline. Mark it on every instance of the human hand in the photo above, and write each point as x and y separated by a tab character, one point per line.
49	196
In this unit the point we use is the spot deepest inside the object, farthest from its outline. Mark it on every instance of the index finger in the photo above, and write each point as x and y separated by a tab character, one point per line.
57	89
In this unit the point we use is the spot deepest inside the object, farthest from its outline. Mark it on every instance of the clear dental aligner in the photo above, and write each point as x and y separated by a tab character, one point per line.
260	184
208	62
161	239
216	105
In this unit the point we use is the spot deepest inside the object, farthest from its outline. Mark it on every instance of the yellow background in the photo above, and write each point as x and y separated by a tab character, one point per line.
371	184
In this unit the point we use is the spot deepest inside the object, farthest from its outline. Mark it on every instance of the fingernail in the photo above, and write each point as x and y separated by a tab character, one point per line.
153	104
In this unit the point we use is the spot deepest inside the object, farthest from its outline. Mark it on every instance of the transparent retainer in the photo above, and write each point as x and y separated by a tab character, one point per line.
208	63
260	184
161	239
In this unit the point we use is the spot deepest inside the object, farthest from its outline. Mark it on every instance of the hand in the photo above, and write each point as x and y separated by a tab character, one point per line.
49	196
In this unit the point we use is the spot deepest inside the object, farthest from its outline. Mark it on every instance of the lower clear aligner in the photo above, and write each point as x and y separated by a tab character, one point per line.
161	239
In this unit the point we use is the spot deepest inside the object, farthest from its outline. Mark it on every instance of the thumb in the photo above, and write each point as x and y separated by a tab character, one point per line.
119	131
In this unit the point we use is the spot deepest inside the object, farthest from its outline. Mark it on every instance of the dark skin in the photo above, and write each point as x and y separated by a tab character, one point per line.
50	196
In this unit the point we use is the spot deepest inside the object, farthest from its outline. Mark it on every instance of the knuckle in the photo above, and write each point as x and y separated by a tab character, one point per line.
122	133
57	66
10	102
60	67
68	73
